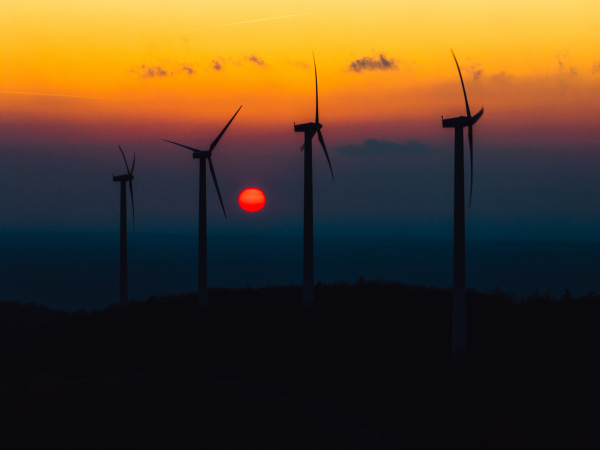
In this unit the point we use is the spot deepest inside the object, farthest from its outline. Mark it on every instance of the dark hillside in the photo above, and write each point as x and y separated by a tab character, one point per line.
373	356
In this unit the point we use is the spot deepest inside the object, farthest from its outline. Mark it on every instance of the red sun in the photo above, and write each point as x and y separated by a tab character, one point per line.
251	199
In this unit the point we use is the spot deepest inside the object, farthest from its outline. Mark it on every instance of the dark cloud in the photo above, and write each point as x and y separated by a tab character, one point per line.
219	62
256	60
563	66
596	68
476	70
188	69
150	71
145	71
377	147
368	63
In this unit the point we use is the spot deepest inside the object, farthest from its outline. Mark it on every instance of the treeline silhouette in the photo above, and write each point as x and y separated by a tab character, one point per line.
374	354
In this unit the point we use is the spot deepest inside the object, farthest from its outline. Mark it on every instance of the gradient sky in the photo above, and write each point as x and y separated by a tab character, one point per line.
79	78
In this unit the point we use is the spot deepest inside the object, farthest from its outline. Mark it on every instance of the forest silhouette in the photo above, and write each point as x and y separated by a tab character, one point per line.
373	358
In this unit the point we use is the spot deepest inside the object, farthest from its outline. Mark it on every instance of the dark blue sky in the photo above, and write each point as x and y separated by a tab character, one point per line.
402	187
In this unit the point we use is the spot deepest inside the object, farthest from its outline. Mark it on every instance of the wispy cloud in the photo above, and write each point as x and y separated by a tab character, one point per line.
563	66
145	71
502	76
476	70
299	64
596	68
55	95
379	147
243	22
368	63
220	62
150	71
264	19
560	59
190	70
256	60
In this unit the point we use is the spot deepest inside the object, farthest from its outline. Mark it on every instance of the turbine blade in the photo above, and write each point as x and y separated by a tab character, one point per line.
132	207
124	159
463	84
476	117
184	146
212	172
322	141
316	90
471	151
133	165
215	142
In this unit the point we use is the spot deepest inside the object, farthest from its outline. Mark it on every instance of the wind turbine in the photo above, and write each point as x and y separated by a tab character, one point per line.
124	179
459	307
203	156
309	130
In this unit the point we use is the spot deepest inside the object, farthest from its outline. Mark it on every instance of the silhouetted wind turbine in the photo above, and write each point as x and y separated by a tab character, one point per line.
204	155
459	307
309	130
124	179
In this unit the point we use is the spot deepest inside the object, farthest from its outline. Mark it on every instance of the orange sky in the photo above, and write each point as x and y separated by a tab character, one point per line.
149	63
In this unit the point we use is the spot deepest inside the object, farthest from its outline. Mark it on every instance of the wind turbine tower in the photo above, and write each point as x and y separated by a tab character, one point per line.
203	156
124	179
459	306
309	130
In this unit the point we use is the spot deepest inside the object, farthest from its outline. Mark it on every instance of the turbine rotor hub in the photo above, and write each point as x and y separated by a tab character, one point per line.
201	154
125	177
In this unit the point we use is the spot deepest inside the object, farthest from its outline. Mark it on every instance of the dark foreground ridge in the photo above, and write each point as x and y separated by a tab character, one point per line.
368	367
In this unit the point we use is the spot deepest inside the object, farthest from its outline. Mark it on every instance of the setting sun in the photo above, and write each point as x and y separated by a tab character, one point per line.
252	199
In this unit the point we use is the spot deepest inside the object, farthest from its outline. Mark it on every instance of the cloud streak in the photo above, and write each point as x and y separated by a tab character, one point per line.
476	70
150	71
368	63
299	64
219	63
563	67
145	71
256	60
381	147
189	70
244	22
55	95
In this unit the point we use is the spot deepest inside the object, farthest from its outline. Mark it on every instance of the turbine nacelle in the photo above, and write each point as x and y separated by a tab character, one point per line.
206	155
125	177
310	127
128	177
461	121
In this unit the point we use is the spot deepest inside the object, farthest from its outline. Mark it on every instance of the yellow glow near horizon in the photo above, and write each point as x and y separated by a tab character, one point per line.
144	53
